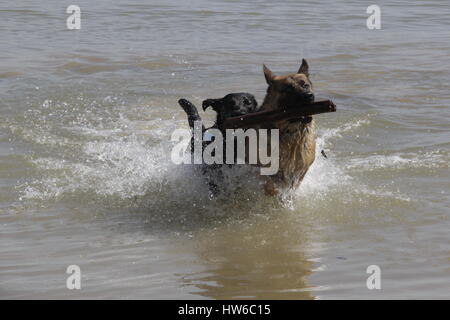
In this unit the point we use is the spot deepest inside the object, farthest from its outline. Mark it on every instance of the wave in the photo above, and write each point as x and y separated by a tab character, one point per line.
119	160
431	159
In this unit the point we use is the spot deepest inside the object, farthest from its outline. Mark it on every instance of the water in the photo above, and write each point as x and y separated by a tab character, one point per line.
85	178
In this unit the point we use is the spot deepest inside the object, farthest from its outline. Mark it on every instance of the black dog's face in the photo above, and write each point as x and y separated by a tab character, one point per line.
232	105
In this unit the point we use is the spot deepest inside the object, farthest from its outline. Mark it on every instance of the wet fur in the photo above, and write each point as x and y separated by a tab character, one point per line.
231	105
298	138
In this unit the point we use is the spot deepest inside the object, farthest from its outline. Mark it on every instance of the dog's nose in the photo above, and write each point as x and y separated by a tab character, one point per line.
213	103
207	103
309	96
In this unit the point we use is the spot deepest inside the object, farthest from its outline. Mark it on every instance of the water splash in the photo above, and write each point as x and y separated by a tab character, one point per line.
108	154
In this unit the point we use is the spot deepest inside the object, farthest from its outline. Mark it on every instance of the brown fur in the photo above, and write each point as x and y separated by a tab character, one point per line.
297	139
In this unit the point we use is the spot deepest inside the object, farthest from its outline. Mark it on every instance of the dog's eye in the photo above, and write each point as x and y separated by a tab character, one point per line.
288	89
306	86
246	102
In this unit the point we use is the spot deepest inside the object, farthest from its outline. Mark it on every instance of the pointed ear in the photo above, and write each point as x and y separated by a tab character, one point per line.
304	68
268	74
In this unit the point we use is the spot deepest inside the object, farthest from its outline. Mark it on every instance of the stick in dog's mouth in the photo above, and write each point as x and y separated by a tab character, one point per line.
305	111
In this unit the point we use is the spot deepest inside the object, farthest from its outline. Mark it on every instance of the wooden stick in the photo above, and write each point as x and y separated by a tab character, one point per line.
248	120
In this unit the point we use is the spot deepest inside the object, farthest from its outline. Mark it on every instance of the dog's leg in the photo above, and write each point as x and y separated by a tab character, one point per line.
215	178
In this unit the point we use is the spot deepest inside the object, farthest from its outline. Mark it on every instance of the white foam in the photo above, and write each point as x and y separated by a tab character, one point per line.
117	162
432	159
344	128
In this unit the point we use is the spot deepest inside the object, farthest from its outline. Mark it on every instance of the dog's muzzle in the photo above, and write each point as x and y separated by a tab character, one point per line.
308	97
213	103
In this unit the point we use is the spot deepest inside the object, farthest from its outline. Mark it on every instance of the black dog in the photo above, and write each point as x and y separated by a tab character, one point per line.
232	105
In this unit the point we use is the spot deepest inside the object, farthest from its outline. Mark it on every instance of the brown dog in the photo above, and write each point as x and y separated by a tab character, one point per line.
297	145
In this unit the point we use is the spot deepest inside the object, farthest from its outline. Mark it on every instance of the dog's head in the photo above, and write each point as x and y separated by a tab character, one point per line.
232	105
292	90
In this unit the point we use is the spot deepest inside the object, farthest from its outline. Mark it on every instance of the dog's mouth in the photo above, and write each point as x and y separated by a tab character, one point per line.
213	103
304	98
308	97
298	101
